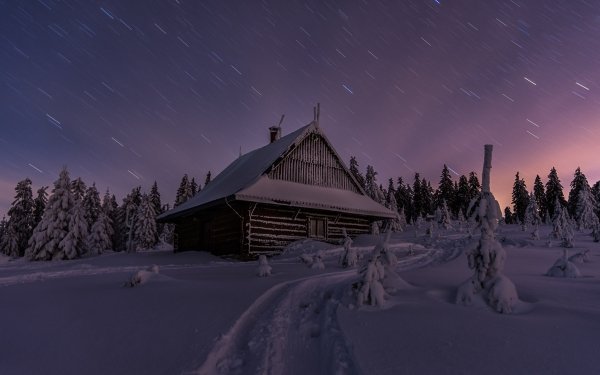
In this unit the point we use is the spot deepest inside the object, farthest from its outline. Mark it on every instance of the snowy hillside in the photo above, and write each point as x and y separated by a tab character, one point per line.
195	313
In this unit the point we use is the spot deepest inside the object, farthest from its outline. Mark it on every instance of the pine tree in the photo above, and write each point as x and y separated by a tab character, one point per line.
20	220
463	196
91	205
554	192
193	186
474	186
110	209
508	217
73	244
154	197
145	235
404	198
418	206
520	198
3	227
45	243
354	170
130	208
427	197
184	192
208	179
561	224
78	189
100	238
540	198
371	187
579	183
39	205
446	192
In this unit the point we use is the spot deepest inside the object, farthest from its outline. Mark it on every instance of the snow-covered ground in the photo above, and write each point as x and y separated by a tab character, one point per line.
202	314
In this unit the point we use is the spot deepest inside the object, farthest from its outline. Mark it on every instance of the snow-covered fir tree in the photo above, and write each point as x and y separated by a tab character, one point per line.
154	197
508	216
445	221
73	244
579	182
349	257
45	243
194	186
207	179
146	235
264	269
184	192
532	217
445	190
355	172
369	290
540	197
39	205
78	188
3	227
20	221
101	233
561	224
371	187
520	198
554	191
586	209
91	205
463	197
487	257
110	208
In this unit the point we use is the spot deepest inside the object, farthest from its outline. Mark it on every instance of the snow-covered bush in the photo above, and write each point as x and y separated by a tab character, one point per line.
306	259
370	289
264	269
486	258
349	257
564	267
582	257
317	261
142	276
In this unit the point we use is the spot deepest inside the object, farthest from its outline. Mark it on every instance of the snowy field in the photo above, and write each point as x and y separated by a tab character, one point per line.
202	314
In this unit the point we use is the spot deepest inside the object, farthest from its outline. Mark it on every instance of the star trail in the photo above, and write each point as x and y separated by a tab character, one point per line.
125	93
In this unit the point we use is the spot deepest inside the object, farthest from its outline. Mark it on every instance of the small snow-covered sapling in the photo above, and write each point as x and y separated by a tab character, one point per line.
264	269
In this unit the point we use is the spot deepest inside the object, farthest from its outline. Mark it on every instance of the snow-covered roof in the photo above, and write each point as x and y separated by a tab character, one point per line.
267	190
244	180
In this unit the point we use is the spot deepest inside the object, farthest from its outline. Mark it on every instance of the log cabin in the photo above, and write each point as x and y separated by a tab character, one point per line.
293	188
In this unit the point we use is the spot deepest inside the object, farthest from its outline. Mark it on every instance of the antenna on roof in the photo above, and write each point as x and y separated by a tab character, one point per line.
318	112
280	121
240	152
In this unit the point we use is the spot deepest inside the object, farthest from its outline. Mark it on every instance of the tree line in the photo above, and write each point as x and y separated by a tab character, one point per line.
72	220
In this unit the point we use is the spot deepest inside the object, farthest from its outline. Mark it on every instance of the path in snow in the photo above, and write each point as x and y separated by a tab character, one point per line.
293	328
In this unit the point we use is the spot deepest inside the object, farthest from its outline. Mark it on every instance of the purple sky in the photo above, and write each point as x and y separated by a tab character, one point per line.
125	93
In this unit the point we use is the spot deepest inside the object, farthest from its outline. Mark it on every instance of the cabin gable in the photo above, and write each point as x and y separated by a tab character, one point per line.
314	162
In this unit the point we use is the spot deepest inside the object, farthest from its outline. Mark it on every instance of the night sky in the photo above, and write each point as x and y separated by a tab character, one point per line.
128	92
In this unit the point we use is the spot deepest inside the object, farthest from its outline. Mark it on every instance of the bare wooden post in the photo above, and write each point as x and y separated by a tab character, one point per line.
487	166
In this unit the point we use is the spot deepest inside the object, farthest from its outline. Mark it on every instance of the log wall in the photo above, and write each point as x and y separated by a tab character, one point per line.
269	228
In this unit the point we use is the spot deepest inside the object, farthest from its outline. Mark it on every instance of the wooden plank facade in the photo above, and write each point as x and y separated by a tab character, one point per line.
263	228
239	217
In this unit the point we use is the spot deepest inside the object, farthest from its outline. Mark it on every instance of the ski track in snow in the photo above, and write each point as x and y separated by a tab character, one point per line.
82	270
292	328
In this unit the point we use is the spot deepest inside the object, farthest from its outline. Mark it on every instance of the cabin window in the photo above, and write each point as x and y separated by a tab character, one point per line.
317	227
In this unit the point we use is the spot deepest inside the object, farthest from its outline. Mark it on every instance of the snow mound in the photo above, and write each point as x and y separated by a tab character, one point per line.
582	257
142	276
502	294
306	246
563	268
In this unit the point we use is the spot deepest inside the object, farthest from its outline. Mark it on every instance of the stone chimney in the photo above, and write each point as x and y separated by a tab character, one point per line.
274	133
